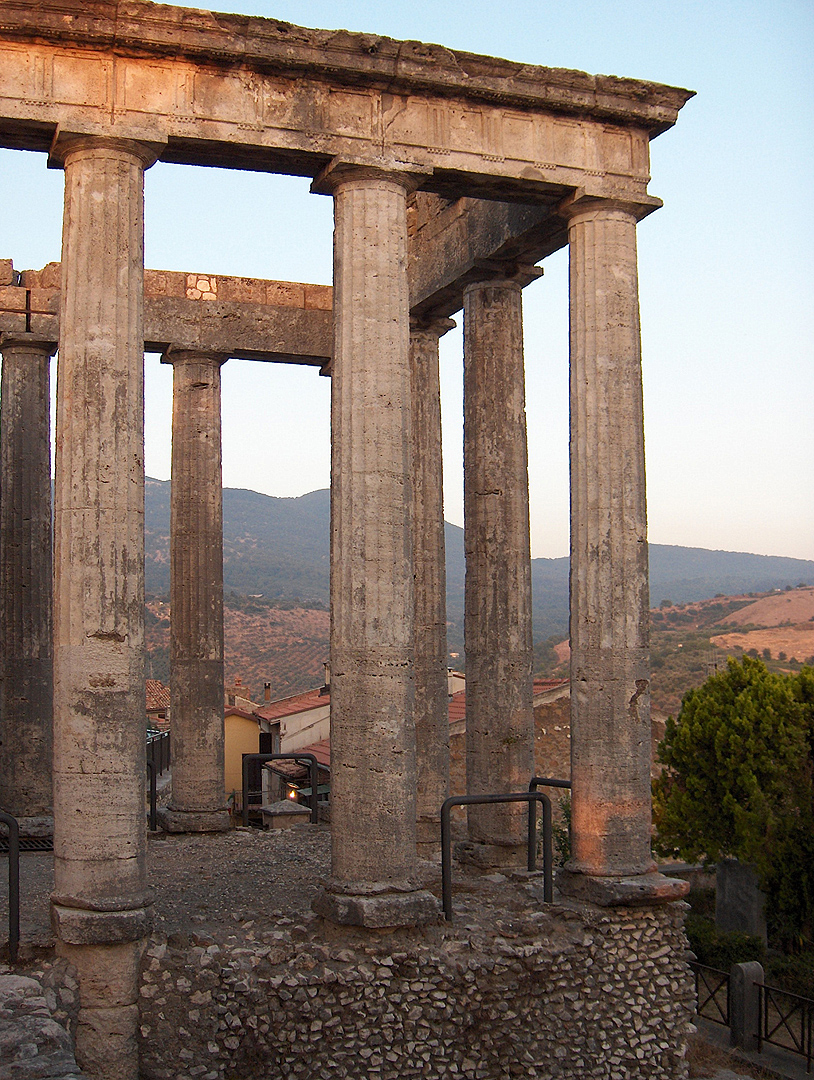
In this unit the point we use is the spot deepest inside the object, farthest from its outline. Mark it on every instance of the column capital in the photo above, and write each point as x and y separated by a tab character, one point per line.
66	144
507	272
32	342
432	325
346	170
580	205
172	355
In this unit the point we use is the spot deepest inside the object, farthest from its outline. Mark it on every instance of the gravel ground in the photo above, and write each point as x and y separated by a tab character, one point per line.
202	882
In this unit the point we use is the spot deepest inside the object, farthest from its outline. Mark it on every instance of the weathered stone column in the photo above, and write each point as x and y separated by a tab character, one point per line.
100	908
26	571
610	672
373	770
430	667
196	597
497	617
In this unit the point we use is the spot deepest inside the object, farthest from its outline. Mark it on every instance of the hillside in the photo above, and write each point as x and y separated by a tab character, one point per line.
279	548
692	641
286	647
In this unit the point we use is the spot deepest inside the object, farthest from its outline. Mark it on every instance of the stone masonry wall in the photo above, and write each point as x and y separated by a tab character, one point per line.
558	992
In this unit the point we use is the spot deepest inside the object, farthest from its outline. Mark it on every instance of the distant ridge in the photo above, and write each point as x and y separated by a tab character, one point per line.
279	548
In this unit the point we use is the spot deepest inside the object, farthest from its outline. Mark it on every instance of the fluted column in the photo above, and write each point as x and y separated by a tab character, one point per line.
610	673
196	597
497	620
99	906
373	768
26	567
430	667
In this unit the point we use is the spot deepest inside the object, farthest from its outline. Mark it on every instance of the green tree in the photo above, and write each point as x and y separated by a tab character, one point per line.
738	782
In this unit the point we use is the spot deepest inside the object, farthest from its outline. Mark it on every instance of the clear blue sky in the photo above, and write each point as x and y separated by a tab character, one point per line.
726	267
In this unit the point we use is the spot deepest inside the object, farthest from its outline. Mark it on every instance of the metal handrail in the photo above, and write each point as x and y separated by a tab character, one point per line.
548	781
13	884
532	798
313	769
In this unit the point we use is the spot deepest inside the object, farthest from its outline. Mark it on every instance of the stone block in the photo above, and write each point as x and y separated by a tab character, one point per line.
164	283
6	272
79	926
106	1042
107	974
319	297
739	903
634	891
193	821
44	300
50	277
745	981
12	299
284	814
377	912
32	1044
285	294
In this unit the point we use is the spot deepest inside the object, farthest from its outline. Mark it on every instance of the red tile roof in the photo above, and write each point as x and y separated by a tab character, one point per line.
158	695
321	751
275	710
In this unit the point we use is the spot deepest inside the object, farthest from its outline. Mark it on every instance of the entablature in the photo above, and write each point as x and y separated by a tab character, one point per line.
244	92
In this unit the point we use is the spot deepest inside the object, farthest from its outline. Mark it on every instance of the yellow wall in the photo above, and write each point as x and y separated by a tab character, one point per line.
241	736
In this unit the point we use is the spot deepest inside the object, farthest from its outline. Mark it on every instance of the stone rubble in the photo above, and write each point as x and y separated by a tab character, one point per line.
37	1016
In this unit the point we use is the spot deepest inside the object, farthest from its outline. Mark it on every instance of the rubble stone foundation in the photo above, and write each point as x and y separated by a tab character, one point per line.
558	992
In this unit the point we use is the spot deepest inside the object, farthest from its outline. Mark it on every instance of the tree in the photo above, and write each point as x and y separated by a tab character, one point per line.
739	761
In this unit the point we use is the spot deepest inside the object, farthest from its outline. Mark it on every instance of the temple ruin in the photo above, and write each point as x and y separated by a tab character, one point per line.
452	176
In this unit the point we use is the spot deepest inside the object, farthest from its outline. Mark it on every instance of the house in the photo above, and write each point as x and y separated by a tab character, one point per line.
301	720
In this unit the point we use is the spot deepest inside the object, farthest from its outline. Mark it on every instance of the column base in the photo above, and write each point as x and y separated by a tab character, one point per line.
111	927
193	821
376	905
491	856
635	890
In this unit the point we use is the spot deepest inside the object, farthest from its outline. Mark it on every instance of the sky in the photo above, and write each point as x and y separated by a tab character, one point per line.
725	268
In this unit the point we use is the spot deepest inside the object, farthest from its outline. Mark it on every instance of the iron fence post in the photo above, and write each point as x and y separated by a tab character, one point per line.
13	884
153	796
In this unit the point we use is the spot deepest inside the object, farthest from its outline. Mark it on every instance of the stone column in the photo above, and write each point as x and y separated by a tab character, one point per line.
497	598
373	768
100	909
26	569
196	597
430	667
610	674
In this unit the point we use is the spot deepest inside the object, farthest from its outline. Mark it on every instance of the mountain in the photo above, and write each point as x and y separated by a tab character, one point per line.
279	548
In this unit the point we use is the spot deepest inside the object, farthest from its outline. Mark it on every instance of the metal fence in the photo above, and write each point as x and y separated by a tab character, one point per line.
786	1021
756	1013
711	993
158	750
